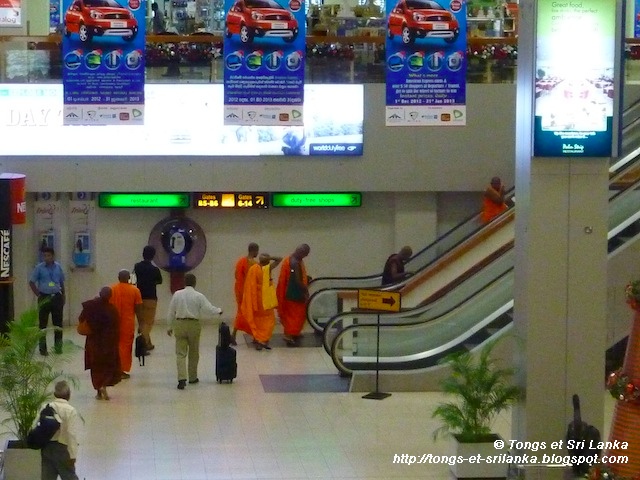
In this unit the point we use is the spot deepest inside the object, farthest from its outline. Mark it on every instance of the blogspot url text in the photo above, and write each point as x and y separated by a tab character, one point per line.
505	458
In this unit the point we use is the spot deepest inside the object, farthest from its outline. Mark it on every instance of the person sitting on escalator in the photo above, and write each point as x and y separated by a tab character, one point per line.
493	203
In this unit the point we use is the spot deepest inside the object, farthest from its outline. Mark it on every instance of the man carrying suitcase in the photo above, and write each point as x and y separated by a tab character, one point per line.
186	309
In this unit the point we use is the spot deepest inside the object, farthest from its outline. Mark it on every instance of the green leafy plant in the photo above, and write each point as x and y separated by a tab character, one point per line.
26	380
482	389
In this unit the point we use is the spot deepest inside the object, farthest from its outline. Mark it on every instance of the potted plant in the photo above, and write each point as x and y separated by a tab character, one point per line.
481	389
26	381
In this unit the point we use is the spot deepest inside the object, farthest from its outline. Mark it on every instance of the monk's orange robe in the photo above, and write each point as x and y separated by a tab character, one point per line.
125	297
491	209
261	320
292	313
242	268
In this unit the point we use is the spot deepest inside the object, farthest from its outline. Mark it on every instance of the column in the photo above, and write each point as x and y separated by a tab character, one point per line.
560	274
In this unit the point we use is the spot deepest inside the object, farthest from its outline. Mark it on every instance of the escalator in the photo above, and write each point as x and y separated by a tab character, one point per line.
476	307
434	267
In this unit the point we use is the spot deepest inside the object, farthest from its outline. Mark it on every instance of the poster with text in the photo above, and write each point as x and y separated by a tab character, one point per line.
574	84
636	19
103	62
10	13
264	57
426	66
54	16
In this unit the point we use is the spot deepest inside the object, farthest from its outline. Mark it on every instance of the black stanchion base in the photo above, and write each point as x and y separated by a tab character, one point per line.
376	395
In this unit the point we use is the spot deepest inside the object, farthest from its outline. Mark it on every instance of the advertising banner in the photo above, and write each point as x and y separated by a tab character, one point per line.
47	221
182	120
6	258
426	65
264	57
574	78
103	62
17	196
82	225
54	15
636	19
10	13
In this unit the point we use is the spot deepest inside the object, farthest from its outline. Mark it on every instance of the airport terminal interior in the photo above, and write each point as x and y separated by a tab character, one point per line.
286	416
299	413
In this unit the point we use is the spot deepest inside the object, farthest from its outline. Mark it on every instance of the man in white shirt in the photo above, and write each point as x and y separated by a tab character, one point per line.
59	455
186	309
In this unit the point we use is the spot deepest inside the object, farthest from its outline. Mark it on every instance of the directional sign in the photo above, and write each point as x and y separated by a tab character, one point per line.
379	300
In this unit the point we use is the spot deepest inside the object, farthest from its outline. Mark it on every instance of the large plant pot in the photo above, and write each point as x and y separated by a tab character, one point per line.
21	463
482	469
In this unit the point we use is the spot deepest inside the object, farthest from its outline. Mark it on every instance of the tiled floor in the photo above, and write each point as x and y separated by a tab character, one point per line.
152	431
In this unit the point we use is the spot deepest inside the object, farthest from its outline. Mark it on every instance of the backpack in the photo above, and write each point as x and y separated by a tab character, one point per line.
141	349
44	430
583	437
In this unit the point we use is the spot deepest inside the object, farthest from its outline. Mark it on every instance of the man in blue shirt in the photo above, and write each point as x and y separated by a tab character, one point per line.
47	283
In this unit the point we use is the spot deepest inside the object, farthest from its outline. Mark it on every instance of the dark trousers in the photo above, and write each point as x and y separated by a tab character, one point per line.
50	304
56	461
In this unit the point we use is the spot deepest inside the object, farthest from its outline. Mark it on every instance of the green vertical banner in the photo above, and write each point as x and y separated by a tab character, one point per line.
574	87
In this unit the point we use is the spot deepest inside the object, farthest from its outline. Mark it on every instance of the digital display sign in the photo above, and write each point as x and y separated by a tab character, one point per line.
574	84
292	200
230	200
144	200
179	120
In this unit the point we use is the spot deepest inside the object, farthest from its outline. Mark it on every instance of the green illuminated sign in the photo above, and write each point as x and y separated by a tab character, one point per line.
349	199
144	200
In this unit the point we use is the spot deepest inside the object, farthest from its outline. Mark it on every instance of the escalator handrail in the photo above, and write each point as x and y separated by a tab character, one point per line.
336	340
508	196
418	357
405	281
405	317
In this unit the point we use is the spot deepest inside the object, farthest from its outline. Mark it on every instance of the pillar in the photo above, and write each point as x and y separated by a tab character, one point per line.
560	274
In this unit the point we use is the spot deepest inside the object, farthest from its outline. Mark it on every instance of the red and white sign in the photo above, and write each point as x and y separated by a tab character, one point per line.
10	13
17	202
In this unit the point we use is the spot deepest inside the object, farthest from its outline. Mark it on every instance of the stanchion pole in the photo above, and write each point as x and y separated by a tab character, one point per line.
377	395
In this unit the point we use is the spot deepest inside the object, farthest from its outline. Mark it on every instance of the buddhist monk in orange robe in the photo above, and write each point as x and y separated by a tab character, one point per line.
293	294
241	270
259	300
493	203
128	301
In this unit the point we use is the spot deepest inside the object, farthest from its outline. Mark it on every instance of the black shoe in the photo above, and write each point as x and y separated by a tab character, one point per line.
44	353
57	350
265	346
194	381
182	384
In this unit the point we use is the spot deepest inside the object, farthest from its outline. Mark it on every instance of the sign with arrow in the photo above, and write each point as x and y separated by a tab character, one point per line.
379	300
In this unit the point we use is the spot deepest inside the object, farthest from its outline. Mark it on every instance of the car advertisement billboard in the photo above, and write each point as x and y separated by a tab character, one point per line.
10	13
264	56
574	85
103	62
181	120
426	62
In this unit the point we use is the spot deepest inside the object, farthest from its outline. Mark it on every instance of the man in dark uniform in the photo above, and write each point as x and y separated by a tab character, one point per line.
148	276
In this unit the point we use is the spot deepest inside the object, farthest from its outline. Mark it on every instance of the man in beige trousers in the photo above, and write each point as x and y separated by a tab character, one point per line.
186	309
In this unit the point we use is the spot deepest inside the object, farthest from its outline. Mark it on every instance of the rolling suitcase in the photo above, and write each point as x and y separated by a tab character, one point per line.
226	366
